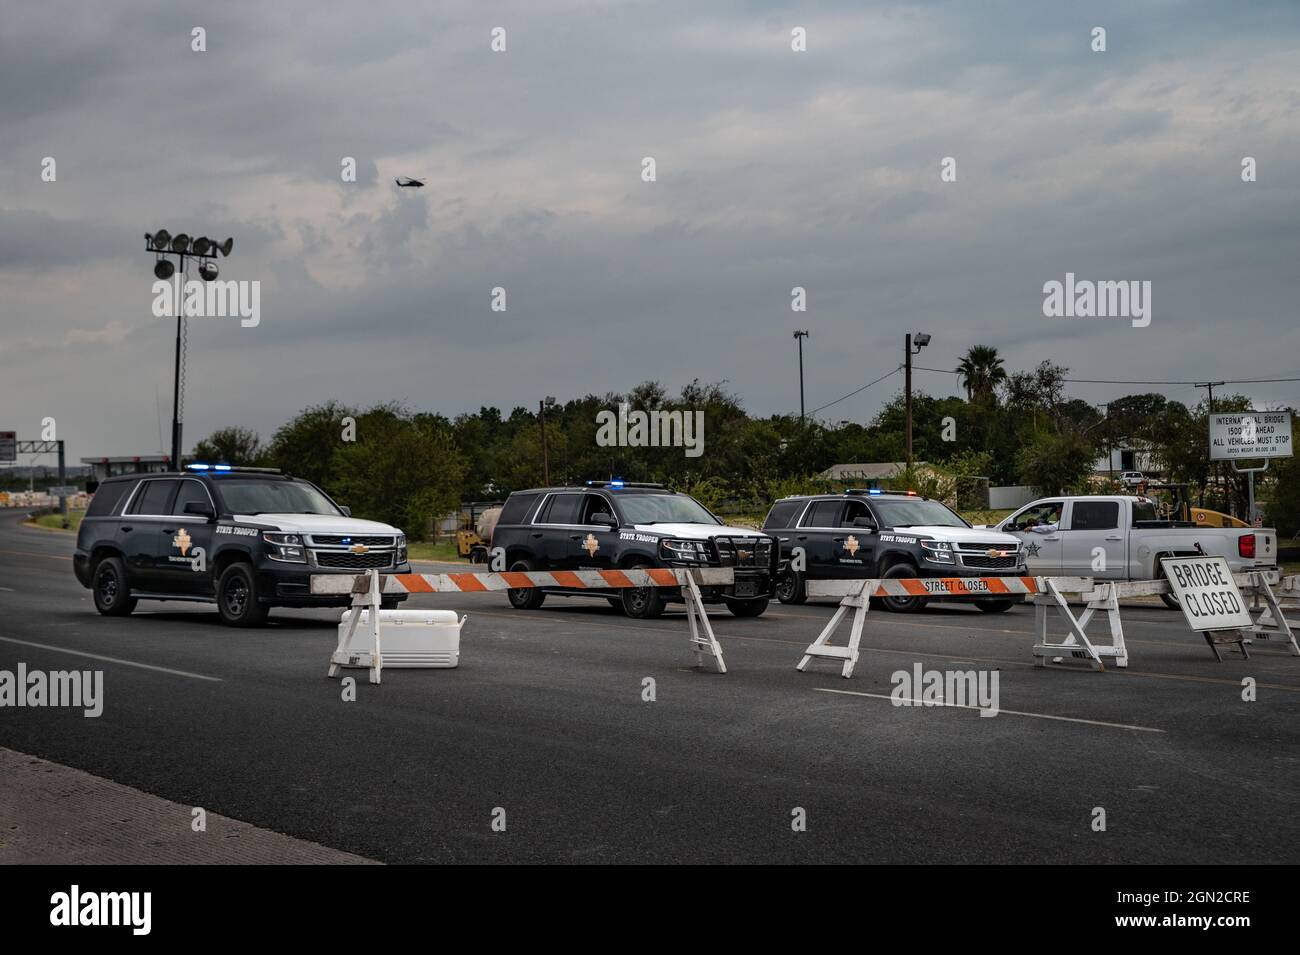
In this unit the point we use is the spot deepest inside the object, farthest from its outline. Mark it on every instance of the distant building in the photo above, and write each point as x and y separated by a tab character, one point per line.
101	468
872	471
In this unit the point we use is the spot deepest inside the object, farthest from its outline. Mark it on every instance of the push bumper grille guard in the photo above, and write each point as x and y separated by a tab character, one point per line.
754	554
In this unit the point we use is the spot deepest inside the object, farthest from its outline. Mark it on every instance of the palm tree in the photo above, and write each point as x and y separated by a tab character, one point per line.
981	372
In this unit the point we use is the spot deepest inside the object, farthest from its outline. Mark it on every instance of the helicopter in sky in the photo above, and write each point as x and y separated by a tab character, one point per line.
406	182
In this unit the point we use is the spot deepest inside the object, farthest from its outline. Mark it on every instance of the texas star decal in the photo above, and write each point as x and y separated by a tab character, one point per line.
591	545
181	540
1032	550
851	545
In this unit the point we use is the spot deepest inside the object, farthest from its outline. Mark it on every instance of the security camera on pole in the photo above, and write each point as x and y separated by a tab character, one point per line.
163	244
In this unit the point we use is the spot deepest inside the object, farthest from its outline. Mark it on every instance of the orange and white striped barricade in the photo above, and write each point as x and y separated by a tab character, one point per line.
368	589
857	594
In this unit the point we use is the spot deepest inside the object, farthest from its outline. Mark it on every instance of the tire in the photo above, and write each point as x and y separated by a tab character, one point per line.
109	586
643	603
525	598
790	588
237	601
994	606
1171	602
748	608
616	603
902	604
389	603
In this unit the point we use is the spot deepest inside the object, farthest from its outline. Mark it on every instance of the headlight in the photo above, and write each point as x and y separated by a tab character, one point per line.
938	551
401	548
284	546
685	550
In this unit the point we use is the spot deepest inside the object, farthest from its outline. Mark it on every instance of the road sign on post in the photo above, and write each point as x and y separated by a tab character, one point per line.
1246	435
8	447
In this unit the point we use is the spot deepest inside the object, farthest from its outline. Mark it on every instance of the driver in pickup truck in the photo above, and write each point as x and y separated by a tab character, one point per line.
1048	523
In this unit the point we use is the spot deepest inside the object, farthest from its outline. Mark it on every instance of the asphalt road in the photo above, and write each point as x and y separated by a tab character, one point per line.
545	719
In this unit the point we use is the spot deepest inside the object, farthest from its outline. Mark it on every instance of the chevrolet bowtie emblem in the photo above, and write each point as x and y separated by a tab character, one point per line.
744	554
591	545
996	553
181	540
359	549
851	545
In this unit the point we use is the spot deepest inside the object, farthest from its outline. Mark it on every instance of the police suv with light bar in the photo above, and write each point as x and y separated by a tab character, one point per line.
612	525
246	539
874	534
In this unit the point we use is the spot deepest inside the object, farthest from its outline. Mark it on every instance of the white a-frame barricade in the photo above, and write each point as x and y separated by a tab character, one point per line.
1272	624
857	596
367	591
1101	598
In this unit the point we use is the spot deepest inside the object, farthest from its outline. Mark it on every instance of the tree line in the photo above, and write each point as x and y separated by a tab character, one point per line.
408	467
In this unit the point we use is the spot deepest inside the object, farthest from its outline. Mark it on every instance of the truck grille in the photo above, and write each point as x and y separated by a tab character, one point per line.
752	552
990	563
976	555
336	558
343	540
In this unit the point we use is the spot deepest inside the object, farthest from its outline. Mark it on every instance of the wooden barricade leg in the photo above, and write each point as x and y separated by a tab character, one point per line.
1076	642
344	654
821	647
1272	622
703	642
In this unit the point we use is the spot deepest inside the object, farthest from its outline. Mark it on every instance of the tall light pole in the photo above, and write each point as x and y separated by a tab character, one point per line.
163	244
922	339
799	337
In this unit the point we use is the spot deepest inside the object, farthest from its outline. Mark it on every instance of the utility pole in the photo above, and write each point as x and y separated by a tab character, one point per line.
1214	465
799	337
922	339
546	463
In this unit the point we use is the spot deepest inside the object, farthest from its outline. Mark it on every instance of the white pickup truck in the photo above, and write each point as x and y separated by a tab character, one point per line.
1123	538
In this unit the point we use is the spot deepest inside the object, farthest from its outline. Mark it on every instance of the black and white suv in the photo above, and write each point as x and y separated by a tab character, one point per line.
613	525
885	534
246	539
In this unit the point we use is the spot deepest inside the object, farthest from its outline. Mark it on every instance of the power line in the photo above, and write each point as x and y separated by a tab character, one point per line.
856	391
1116	381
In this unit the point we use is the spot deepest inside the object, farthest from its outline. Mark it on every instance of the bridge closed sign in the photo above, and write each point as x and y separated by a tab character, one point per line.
1207	593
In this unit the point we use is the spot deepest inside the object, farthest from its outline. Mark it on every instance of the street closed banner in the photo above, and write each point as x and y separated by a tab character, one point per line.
1208	594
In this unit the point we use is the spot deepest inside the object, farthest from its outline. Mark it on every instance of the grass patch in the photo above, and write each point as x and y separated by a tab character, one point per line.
444	550
56	520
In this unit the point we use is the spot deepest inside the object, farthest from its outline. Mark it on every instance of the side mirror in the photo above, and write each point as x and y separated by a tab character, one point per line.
202	508
604	520
347	511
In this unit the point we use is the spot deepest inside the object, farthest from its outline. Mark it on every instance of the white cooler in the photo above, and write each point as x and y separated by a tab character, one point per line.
411	638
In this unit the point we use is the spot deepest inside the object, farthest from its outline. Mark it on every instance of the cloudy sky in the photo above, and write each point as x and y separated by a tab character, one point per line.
775	169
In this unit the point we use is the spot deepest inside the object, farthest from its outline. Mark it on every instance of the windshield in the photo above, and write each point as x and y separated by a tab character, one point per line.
244	496
910	513
662	509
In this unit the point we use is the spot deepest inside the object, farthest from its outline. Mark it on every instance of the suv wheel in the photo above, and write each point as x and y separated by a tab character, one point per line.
525	598
748	608
902	604
643	603
237	597
994	606
108	584
1171	602
790	588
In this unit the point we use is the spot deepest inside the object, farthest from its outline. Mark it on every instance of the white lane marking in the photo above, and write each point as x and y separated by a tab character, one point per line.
967	706
129	663
8	590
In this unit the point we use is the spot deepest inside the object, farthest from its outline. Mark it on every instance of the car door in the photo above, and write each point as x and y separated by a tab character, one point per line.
183	536
557	525
816	534
1092	543
591	546
780	523
140	533
1037	525
854	547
